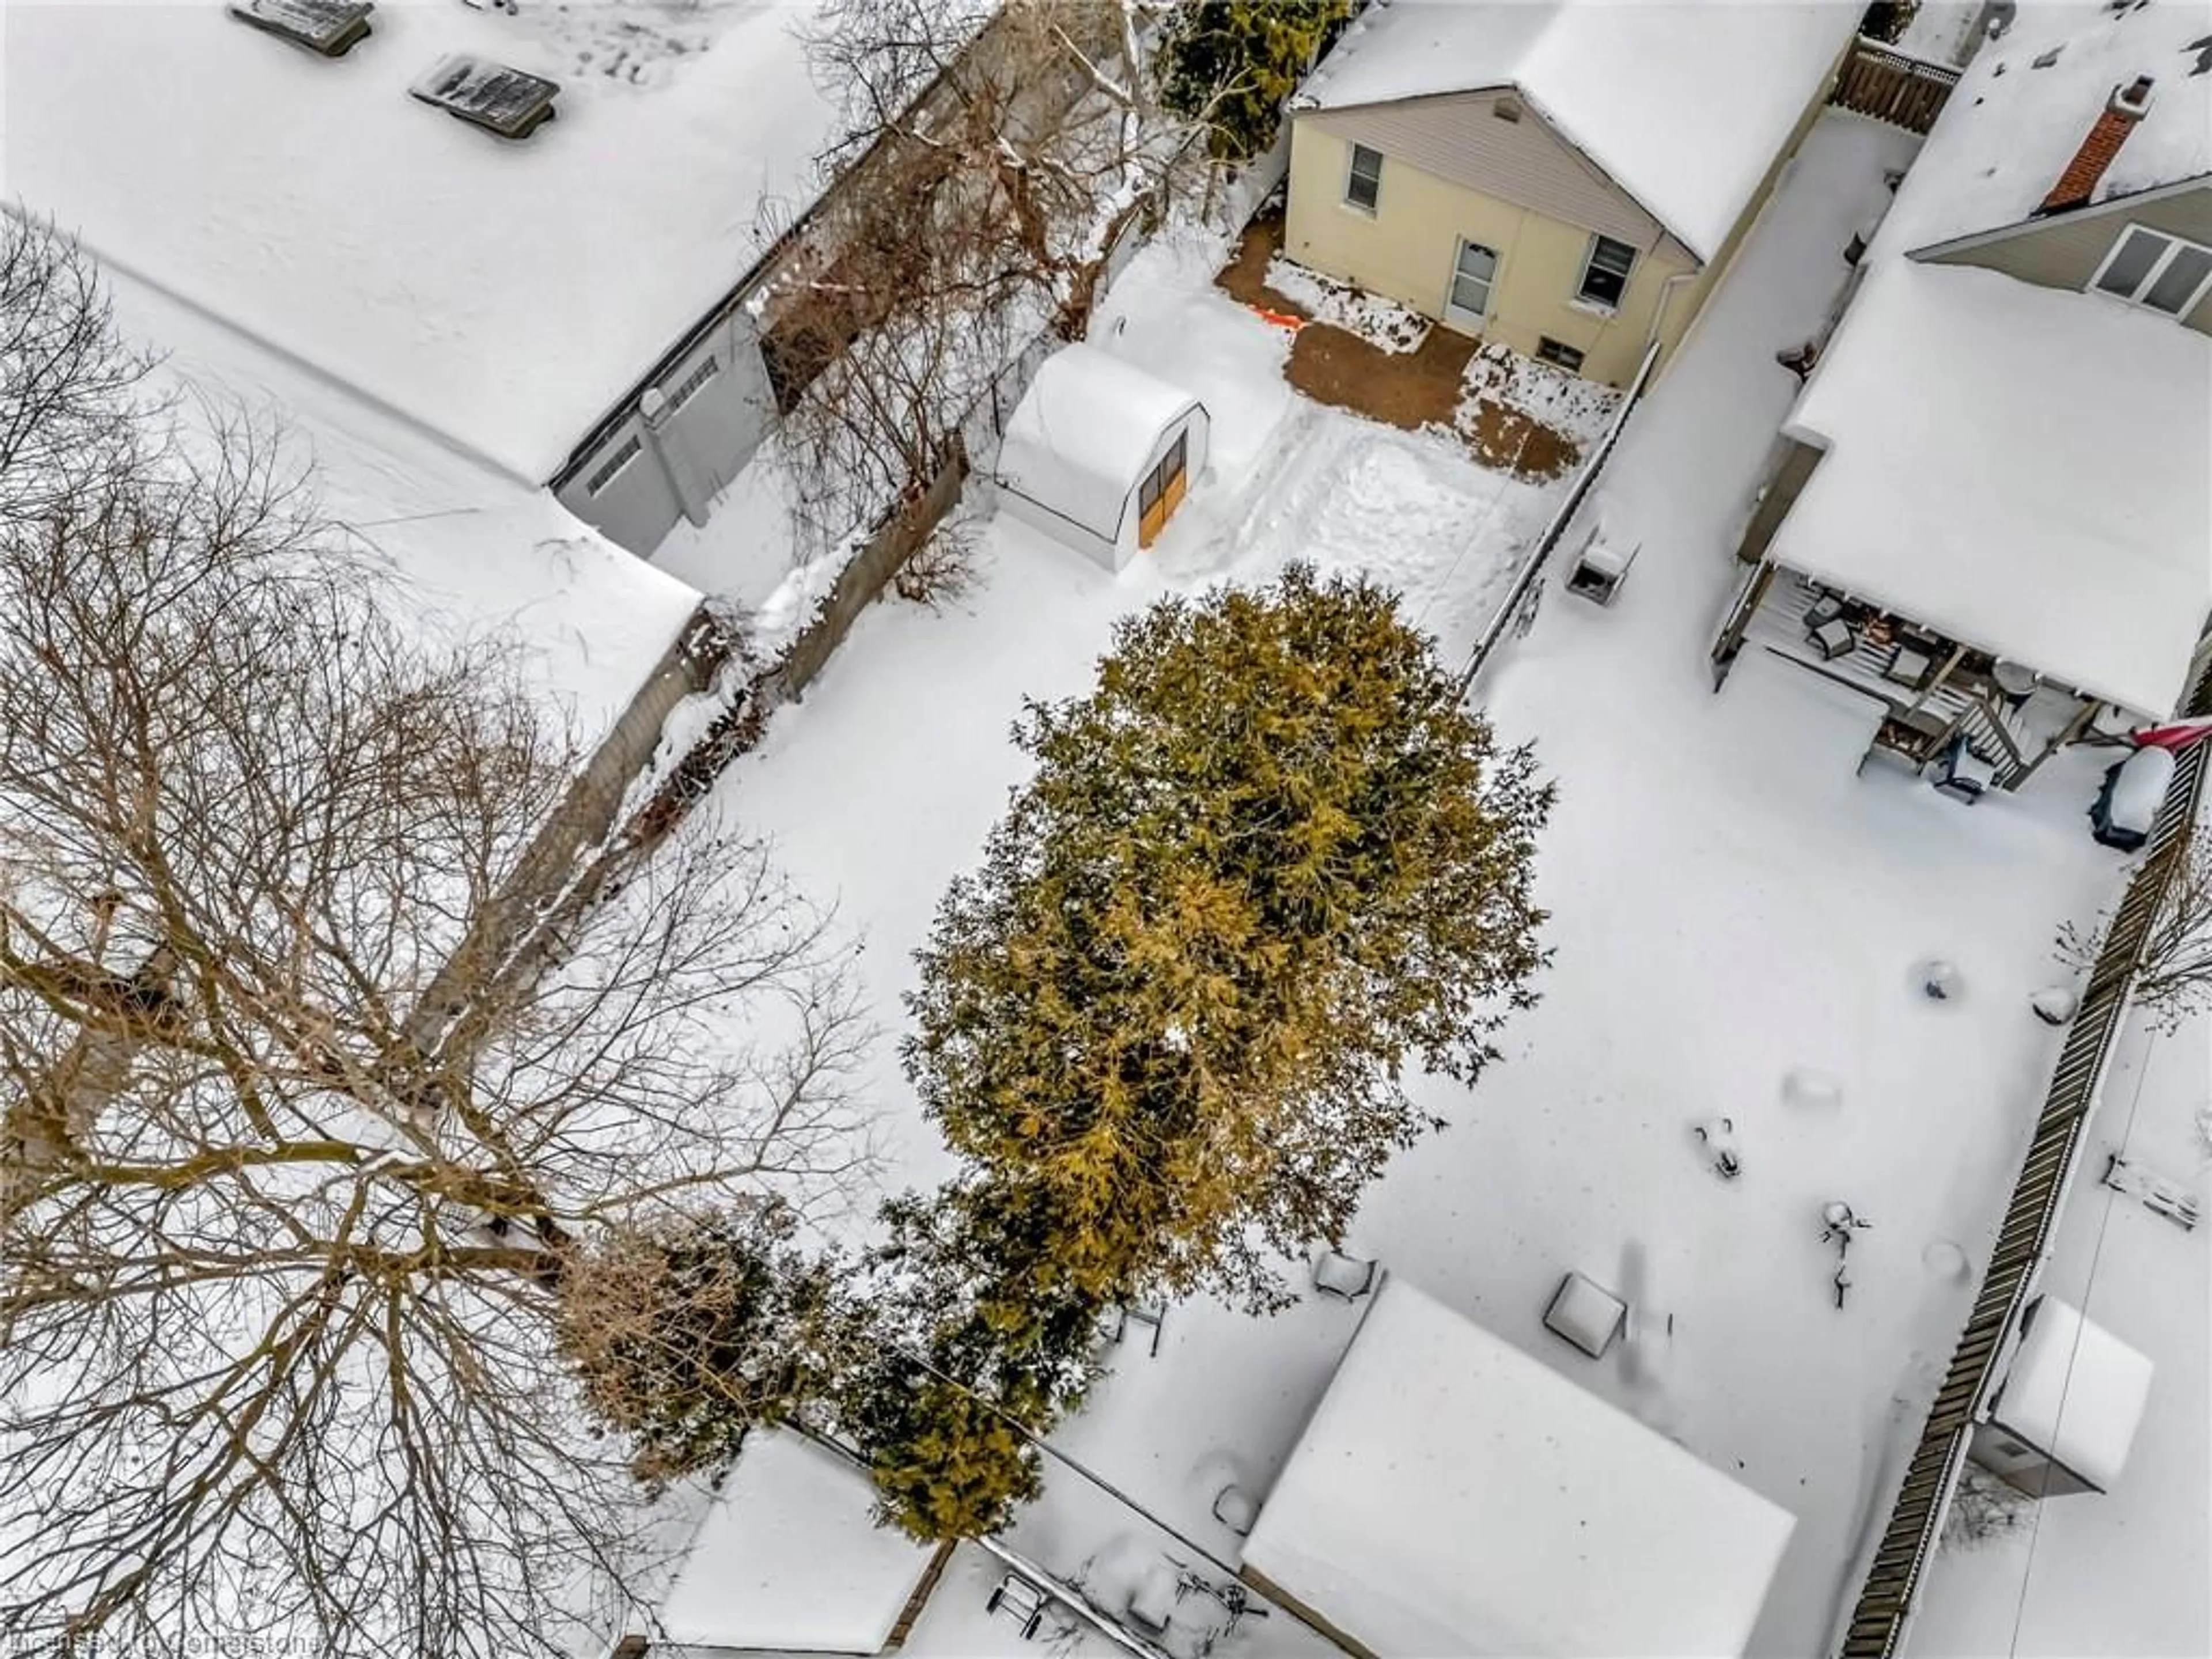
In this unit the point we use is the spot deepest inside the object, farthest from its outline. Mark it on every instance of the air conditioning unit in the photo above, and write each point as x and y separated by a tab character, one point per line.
329	28
510	102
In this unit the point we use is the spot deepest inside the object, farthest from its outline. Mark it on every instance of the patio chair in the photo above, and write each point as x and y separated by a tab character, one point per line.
1151	1313
1346	1277
1585	1314
1020	1602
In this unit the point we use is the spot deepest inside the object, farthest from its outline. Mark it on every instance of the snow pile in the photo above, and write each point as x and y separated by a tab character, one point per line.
1654	91
505	295
1453	1495
2017	467
1578	409
1384	323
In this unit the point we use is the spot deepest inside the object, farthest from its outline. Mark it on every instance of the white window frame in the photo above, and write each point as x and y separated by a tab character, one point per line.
1453	309
2175	246
1589	261
1351	172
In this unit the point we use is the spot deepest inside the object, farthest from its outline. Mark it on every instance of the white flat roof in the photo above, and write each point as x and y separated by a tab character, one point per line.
1655	92
471	551
1452	1495
1079	440
2020	468
789	1560
2076	1392
506	295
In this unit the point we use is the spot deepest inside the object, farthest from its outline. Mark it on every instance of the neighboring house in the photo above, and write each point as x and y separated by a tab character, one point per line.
1990	511
569	307
1569	177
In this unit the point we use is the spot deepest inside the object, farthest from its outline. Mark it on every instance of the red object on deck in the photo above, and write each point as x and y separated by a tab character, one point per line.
2175	737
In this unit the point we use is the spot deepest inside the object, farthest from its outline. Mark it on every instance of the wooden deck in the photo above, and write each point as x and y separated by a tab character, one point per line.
1887	1596
1892	86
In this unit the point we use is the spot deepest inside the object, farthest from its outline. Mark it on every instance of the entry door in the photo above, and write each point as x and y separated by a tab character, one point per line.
1161	492
1466	300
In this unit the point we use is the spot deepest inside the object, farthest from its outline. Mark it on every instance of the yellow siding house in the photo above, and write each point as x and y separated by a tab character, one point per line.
1568	177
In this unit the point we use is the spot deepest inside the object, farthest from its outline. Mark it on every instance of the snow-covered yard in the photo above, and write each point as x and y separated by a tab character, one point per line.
1730	905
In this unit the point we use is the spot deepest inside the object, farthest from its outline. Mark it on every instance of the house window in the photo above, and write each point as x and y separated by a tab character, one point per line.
2149	268
1605	272
1473	268
688	388
609	470
1363	182
1560	352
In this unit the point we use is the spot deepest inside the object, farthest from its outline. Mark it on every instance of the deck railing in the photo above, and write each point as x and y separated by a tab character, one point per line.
1886	1599
1892	86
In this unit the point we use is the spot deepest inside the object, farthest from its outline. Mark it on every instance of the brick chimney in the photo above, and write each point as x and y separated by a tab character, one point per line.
2114	123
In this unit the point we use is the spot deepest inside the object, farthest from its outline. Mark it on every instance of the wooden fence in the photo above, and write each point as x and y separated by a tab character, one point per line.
1886	1599
1891	86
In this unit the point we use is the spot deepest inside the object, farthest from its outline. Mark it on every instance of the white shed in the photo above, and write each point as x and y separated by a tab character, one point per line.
2066	1416
1099	453
1451	1494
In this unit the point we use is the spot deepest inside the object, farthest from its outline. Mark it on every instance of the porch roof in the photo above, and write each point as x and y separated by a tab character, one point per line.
2019	468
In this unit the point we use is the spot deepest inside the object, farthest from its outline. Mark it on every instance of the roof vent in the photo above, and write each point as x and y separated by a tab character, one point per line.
1507	109
511	102
330	28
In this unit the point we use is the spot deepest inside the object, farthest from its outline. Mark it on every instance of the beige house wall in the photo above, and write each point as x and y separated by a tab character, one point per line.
1405	248
2064	252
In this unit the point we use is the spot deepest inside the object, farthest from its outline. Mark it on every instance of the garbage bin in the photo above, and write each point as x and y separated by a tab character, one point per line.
2134	789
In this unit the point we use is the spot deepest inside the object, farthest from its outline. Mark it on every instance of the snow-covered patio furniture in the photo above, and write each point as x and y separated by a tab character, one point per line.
1346	1277
1151	1315
1235	1509
1018	1601
1586	1315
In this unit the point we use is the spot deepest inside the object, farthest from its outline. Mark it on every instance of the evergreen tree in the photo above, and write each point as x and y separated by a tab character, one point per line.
1267	864
1233	63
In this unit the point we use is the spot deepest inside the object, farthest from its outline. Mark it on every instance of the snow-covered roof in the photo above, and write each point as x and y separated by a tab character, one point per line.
789	1560
505	293
1683	105
2076	1392
1453	1495
2011	127
471	549
2020	468
1080	438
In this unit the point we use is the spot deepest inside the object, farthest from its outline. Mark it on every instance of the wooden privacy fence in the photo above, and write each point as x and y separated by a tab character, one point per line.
1892	86
1886	1599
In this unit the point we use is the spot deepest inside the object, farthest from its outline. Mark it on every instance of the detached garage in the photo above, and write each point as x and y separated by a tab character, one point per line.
1099	453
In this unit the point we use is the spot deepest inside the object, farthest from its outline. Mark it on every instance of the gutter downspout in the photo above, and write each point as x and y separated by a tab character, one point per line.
1659	312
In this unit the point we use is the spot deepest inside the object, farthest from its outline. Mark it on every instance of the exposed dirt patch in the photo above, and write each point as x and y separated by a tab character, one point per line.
1410	390
1244	278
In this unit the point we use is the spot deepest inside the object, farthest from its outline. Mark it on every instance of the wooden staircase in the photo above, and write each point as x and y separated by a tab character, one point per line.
1886	1598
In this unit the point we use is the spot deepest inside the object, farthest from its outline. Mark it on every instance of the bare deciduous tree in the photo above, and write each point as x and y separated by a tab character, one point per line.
2174	972
282	1243
991	153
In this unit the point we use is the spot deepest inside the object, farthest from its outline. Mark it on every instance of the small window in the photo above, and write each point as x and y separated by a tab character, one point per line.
620	457
1566	356
2149	268
1363	183
688	388
1605	273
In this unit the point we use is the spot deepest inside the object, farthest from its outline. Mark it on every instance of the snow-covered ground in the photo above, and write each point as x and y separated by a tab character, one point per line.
1384	323
2122	1572
1730	904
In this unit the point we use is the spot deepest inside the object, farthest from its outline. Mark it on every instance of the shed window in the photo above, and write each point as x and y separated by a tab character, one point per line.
1605	272
1558	351
1362	181
2149	268
608	470
689	387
